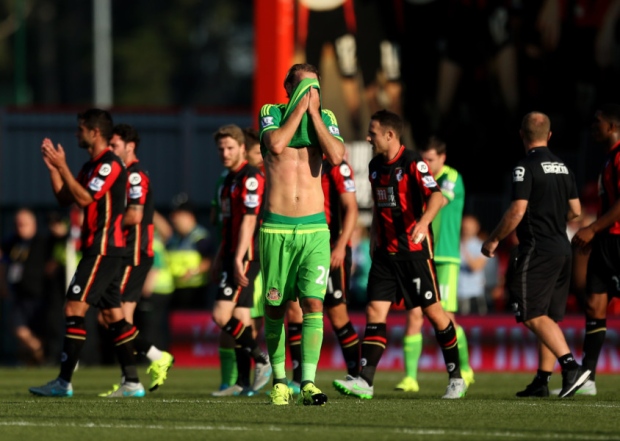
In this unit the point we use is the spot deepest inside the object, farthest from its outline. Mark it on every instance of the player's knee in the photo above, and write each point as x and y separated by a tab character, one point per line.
310	305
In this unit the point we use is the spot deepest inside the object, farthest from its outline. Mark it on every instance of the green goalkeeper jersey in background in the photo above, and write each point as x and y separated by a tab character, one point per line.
447	223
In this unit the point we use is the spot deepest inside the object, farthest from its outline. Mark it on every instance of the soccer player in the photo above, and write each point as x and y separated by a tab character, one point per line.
100	189
406	199
236	261
603	236
446	231
544	199
341	213
294	237
138	229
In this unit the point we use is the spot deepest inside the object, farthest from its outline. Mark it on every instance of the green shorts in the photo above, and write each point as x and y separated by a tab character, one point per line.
294	257
448	279
258	310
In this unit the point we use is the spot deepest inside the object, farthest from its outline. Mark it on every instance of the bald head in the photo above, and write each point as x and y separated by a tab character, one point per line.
536	128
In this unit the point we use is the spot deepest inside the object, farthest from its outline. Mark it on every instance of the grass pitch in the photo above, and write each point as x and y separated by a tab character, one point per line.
184	409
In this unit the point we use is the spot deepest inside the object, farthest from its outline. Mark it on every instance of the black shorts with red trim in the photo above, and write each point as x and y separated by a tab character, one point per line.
228	289
539	285
133	277
414	281
338	282
603	274
97	281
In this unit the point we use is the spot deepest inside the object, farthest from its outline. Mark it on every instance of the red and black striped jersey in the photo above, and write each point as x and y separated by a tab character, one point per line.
105	178
609	186
400	190
139	238
335	180
241	194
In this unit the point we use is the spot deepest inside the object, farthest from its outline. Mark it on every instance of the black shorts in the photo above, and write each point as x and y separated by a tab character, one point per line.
229	290
338	283
415	281
539	286
603	274
97	281
331	27
133	278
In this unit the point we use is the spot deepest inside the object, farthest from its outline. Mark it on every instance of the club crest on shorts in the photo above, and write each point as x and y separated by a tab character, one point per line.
273	294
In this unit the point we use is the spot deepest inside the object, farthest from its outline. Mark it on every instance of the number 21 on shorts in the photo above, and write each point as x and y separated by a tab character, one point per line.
324	275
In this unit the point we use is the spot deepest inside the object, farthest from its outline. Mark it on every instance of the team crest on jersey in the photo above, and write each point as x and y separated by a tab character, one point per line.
266	121
345	170
135	178
105	169
274	295
251	184
518	174
399	174
422	167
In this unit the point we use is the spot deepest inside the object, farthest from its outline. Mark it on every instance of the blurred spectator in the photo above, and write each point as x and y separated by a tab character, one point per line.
471	286
190	250
360	256
24	259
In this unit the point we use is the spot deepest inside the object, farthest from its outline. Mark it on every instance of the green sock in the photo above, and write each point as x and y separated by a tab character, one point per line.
412	347
276	339
228	366
463	349
311	341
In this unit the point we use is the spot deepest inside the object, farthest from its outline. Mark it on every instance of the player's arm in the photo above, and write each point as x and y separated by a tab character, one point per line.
574	209
278	138
58	186
585	235
506	225
349	221
332	147
246	235
162	226
133	215
433	205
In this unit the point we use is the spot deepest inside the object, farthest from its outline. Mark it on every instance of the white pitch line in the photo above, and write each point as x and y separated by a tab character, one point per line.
427	432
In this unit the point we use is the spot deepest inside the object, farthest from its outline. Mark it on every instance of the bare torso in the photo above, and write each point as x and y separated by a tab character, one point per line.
293	186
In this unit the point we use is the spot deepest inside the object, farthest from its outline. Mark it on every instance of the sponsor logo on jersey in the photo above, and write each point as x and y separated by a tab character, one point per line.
135	178
399	174
422	167
251	184
518	174
266	121
345	170
429	181
251	200
385	197
105	169
96	184
135	192
554	167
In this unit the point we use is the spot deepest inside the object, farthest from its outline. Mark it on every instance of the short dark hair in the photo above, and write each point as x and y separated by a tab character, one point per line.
434	143
127	133
97	119
610	112
251	137
300	67
389	120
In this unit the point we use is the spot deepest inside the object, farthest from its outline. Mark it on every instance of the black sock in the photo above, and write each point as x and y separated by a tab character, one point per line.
294	347
350	344
123	335
567	362
449	346
593	342
542	377
243	337
141	345
373	345
75	336
244	363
